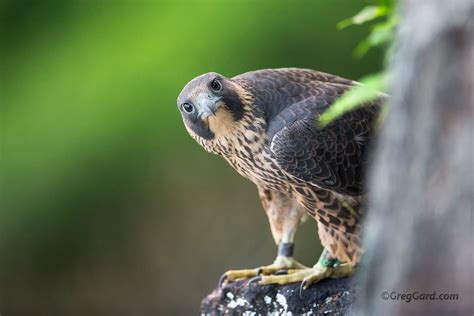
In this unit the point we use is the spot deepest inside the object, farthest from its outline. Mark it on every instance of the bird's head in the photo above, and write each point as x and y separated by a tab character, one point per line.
211	104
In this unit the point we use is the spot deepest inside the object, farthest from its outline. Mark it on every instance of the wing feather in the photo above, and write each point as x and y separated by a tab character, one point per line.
292	99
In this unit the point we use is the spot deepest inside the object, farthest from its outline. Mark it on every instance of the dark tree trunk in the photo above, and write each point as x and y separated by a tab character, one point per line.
420	225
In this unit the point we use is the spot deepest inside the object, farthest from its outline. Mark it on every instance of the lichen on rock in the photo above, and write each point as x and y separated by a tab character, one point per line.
329	297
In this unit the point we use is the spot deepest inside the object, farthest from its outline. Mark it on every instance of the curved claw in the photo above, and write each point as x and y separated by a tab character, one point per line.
255	279
222	279
278	272
281	272
303	287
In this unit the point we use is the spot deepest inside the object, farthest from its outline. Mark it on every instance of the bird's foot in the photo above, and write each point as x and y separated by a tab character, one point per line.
281	265
307	276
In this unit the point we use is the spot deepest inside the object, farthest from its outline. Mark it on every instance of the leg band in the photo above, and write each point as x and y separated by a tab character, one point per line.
327	261
286	249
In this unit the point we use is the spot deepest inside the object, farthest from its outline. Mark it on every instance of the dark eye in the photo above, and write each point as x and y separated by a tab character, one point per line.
188	107
216	85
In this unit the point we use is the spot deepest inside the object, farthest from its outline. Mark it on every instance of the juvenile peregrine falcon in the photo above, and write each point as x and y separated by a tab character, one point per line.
264	123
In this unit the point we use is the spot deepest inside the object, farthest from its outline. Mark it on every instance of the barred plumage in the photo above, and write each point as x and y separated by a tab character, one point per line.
264	123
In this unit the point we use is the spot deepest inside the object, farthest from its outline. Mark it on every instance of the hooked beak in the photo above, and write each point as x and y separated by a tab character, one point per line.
207	106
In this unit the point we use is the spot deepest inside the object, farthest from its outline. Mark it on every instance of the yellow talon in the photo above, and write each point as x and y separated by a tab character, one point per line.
309	276
280	263
233	275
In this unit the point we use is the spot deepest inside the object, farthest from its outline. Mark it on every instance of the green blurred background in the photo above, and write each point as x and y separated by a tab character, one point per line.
108	207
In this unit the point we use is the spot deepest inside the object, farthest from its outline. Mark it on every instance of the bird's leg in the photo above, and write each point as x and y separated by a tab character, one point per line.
284	262
325	268
284	215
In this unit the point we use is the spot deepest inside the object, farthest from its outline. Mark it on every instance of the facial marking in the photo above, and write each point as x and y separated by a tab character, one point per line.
216	111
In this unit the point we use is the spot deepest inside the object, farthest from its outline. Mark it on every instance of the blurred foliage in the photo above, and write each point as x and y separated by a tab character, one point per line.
384	18
106	202
357	96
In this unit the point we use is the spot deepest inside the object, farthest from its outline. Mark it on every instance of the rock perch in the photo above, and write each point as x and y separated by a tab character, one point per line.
329	297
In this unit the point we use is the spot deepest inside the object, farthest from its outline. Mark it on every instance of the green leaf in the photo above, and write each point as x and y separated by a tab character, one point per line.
367	91
381	33
368	13
362	48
